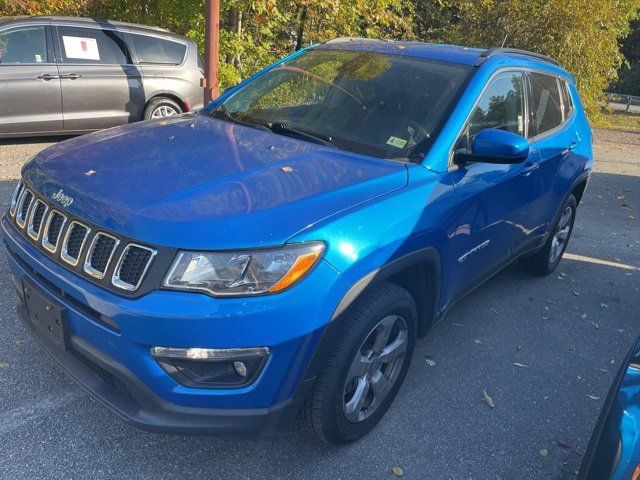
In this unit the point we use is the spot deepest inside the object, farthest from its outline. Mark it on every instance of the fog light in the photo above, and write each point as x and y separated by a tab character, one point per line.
241	368
211	367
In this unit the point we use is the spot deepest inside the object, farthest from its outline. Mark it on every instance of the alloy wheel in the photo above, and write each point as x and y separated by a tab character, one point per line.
375	368
164	111
559	241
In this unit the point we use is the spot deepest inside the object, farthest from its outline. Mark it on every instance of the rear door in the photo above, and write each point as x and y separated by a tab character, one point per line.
101	87
29	84
553	136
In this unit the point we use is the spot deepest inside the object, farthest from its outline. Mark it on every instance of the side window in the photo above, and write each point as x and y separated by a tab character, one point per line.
92	46
158	51
23	45
566	99
546	108
501	106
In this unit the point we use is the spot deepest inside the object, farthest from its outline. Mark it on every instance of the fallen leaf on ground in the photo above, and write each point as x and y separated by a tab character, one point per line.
477	340
604	370
572	348
494	310
19	341
564	444
519	347
4	365
430	362
604	305
487	399
576	293
397	471
593	397
522	365
544	452
583	316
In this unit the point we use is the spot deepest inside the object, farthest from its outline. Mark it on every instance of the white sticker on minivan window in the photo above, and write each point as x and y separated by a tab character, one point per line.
396	142
81	47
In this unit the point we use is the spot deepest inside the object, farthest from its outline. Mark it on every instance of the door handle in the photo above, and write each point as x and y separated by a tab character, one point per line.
529	168
47	76
570	147
71	76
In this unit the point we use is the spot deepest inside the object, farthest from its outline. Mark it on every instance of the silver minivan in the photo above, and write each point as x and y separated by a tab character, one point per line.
68	75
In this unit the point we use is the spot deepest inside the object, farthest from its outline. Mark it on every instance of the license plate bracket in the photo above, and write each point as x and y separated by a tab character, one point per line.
45	313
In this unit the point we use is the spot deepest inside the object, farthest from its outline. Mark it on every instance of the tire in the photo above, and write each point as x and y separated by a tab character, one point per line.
160	107
547	259
331	411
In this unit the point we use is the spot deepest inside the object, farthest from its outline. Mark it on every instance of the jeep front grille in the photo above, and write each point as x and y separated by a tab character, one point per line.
80	249
100	254
35	218
52	230
74	240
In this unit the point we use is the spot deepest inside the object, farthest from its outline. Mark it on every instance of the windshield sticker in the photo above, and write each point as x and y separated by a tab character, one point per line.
80	47
396	142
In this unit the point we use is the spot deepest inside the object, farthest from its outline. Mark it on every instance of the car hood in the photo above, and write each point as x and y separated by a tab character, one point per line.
199	182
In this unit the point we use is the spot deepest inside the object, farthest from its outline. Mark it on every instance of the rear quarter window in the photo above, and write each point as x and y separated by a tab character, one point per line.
158	51
546	106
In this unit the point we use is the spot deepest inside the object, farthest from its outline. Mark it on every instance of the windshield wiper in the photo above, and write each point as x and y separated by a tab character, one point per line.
222	113
286	129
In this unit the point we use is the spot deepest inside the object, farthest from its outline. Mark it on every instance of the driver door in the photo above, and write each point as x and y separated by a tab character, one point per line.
491	199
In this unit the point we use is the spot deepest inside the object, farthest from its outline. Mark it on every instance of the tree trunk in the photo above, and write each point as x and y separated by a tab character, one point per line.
300	35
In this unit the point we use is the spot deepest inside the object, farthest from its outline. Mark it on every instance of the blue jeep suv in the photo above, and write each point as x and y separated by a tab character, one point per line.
281	250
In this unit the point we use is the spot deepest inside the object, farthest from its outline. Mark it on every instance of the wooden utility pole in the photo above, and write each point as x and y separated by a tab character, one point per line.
212	49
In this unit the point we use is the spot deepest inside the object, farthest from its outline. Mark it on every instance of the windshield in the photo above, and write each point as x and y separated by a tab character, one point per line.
387	106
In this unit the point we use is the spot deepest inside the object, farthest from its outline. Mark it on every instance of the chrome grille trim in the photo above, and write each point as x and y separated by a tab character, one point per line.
117	281
22	219
63	253
45	231
32	215
88	268
14	198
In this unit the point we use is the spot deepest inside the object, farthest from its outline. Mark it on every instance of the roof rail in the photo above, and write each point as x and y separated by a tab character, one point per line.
498	50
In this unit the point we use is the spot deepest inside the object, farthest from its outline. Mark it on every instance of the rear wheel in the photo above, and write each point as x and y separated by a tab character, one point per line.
161	107
547	259
365	368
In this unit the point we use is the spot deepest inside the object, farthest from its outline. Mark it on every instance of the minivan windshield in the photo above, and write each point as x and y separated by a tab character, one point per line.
382	105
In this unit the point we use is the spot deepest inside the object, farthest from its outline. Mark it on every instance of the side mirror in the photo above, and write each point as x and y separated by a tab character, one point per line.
497	146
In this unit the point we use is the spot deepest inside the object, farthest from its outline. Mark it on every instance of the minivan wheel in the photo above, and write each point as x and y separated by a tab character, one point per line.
161	107
547	259
365	368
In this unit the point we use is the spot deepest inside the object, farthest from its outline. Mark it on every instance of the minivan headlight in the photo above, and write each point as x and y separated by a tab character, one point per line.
249	272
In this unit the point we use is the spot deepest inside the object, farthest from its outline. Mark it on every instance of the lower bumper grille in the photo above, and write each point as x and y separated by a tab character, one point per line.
108	378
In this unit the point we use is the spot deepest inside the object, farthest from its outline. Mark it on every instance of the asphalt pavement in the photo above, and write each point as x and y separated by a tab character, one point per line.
544	349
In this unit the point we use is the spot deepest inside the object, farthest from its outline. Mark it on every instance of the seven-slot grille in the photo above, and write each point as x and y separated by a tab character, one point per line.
77	244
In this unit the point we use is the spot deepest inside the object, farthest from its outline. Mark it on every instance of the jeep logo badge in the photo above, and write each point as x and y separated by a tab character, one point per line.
64	200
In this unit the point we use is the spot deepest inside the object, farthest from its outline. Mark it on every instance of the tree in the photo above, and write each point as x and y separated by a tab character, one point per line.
582	34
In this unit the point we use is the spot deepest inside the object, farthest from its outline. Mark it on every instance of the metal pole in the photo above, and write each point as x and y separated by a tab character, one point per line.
212	49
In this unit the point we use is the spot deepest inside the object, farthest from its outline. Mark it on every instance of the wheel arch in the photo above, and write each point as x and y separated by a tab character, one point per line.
171	96
418	272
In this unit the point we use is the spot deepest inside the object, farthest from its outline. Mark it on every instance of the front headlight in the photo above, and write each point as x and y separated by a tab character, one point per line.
250	272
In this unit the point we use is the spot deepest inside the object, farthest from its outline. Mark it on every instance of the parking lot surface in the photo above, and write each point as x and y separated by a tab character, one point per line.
544	349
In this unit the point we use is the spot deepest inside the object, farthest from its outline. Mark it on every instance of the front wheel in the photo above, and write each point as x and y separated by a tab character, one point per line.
365	368
547	259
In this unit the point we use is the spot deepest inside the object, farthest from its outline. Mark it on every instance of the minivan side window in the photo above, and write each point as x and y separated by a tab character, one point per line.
23	45
92	46
546	107
501	106
155	50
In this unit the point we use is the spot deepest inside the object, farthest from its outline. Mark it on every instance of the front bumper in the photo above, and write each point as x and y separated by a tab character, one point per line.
110	338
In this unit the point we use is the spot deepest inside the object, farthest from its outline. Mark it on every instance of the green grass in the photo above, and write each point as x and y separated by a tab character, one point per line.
621	121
